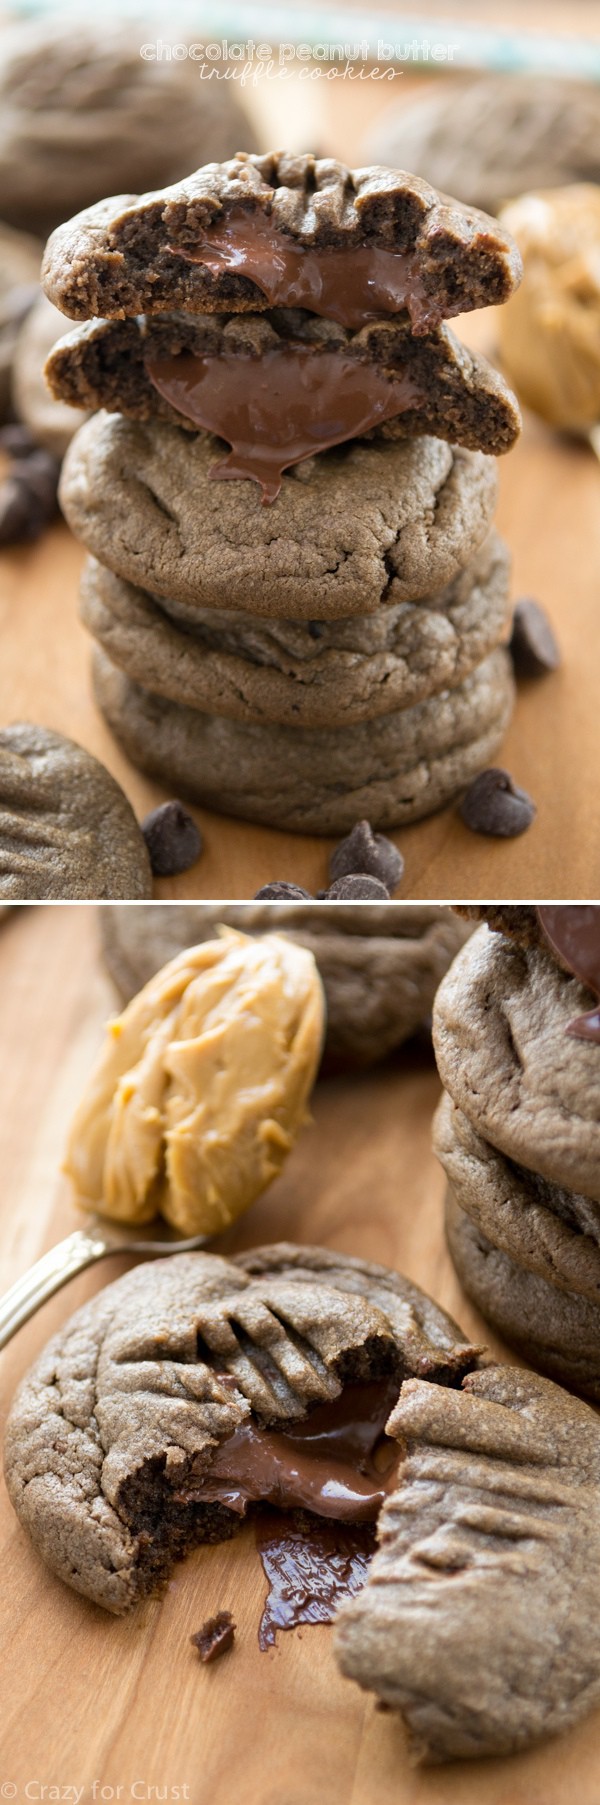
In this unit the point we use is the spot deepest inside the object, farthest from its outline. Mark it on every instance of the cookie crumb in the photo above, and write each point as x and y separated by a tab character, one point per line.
173	840
364	852
495	805
215	1637
533	645
357	887
282	892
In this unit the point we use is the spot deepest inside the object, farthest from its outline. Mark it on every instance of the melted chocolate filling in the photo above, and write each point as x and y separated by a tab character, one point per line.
574	935
351	284
336	1463
282	407
311	1567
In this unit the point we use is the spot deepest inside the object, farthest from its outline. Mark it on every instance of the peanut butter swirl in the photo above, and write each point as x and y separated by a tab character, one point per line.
202	1085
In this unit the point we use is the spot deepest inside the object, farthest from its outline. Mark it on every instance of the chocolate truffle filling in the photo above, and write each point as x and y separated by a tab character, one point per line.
339	1466
336	1463
350	284
279	408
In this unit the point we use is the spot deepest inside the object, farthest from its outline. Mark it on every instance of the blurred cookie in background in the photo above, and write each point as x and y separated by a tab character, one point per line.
485	140
84	114
51	423
380	963
20	260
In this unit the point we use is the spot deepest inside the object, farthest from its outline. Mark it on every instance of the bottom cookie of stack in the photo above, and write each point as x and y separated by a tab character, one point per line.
393	770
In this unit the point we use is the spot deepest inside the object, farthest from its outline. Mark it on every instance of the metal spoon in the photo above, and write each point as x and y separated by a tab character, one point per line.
97	1238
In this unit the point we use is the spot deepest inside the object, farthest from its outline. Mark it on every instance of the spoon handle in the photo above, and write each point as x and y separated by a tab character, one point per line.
70	1256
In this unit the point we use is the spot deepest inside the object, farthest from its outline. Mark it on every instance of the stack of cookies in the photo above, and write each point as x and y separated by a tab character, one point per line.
518	1047
303	629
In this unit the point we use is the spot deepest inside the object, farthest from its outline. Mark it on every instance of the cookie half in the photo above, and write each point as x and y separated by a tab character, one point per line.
395	769
184	247
353	530
303	673
176	368
478	1620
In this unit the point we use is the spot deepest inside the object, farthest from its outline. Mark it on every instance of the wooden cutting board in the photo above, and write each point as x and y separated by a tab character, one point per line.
85	1697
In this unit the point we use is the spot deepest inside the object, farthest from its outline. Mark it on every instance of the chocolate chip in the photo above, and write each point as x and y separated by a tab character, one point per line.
365	851
16	440
495	805
18	518
28	496
533	645
281	892
215	1637
358	887
174	841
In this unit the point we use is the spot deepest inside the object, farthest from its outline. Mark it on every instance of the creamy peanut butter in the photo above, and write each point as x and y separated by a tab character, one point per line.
550	328
202	1086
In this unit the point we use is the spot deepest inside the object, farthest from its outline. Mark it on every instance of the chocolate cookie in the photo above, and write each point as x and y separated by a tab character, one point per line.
282	230
493	137
544	1228
392	770
82	111
555	1329
500	1038
152	368
478	1620
51	422
303	673
353	529
380	966
67	831
112	1435
197	1388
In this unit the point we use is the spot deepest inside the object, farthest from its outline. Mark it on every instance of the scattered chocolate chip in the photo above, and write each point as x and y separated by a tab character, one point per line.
358	886
364	851
533	645
28	495
495	805
174	841
215	1637
316	629
281	892
16	440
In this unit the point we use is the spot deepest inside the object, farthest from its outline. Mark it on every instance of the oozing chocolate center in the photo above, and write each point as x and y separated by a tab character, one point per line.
574	935
279	408
311	1567
351	284
337	1463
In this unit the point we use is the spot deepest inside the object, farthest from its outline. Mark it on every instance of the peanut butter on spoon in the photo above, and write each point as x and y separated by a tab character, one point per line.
202	1086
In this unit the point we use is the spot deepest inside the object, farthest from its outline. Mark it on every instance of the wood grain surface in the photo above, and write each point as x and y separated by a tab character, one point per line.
91	1701
549	512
